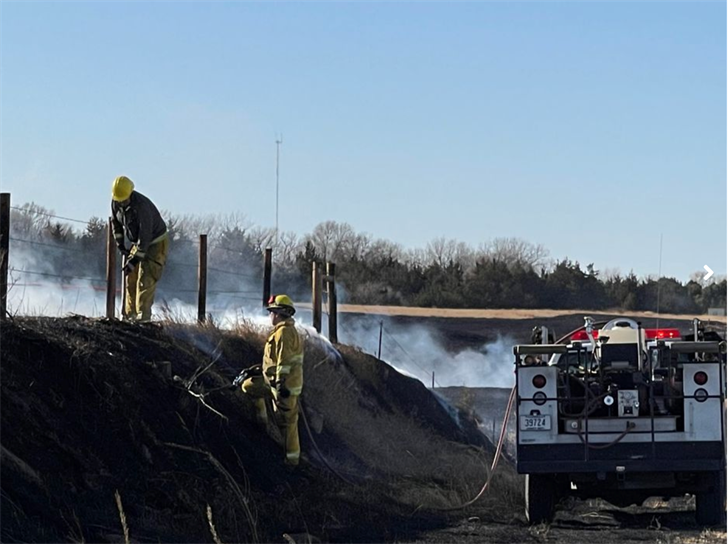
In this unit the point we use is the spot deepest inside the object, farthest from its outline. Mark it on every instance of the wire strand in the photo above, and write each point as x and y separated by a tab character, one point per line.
25	210
67	276
237	251
213	269
213	291
86	251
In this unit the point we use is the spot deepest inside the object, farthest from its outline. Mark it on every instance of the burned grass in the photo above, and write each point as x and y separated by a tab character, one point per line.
99	426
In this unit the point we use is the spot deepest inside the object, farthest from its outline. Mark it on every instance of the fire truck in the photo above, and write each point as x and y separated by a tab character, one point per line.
623	413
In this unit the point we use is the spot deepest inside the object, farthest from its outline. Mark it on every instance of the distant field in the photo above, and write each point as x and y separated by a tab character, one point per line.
410	311
459	329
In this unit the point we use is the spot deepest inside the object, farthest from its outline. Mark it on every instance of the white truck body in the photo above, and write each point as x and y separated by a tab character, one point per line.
624	415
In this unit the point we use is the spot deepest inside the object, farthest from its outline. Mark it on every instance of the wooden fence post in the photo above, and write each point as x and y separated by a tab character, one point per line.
379	351
4	252
331	300
110	271
316	287
202	280
267	271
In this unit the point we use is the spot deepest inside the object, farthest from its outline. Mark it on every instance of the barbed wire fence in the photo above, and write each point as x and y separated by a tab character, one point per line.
323	279
234	288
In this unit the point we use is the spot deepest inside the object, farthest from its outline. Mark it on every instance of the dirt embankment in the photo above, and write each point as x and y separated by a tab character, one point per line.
95	424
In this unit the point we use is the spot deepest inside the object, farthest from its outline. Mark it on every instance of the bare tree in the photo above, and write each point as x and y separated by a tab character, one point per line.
289	245
192	226
415	257
515	251
234	221
465	256
383	250
441	251
261	237
322	238
335	241
30	221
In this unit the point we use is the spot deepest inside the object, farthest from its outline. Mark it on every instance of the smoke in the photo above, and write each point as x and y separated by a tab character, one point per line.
417	351
29	297
49	280
36	286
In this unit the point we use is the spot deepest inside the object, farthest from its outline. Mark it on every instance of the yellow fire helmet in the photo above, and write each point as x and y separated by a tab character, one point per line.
281	304
122	188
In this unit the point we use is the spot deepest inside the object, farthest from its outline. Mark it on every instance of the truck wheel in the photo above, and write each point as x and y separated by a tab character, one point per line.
710	505
540	498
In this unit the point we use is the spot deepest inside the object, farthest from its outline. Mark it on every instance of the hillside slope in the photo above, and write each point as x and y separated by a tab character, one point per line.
94	407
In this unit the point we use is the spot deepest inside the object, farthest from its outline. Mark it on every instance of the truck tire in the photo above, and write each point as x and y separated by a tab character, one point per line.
710	505
540	498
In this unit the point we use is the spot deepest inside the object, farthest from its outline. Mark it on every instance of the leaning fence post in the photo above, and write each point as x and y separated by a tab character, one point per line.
202	280
316	285
110	271
267	269
4	252
331	299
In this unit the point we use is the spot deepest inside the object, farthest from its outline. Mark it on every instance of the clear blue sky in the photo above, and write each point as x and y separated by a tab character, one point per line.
591	128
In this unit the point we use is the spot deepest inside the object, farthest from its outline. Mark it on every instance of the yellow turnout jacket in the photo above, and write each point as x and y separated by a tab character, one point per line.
283	357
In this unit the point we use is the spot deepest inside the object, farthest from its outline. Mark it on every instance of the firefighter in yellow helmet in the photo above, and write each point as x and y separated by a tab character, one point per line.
134	215
281	379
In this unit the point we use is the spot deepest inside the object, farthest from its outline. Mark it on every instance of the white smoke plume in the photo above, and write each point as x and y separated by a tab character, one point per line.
40	288
35	287
416	351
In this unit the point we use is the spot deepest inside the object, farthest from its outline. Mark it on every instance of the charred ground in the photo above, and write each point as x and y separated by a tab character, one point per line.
92	407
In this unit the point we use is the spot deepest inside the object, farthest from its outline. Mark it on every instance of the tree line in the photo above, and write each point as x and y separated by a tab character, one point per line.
500	273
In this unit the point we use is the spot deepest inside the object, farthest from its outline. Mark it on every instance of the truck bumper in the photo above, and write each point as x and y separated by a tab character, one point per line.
631	457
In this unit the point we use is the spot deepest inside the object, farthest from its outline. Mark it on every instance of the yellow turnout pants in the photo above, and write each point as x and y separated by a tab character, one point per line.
141	283
286	414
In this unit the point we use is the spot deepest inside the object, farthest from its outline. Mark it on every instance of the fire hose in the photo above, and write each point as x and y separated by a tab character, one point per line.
315	445
591	405
630	426
496	457
494	464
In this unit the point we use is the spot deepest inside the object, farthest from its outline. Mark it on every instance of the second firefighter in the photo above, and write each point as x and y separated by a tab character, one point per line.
280	379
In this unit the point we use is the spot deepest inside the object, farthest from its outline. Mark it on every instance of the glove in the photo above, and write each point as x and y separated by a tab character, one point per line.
131	264
283	393
122	249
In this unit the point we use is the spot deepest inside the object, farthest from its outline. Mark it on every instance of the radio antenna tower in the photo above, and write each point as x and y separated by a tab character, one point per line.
659	275
279	141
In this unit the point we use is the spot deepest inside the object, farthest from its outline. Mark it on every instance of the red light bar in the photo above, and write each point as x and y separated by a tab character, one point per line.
659	334
582	335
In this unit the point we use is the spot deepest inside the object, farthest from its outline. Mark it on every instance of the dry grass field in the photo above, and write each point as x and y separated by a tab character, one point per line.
511	314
